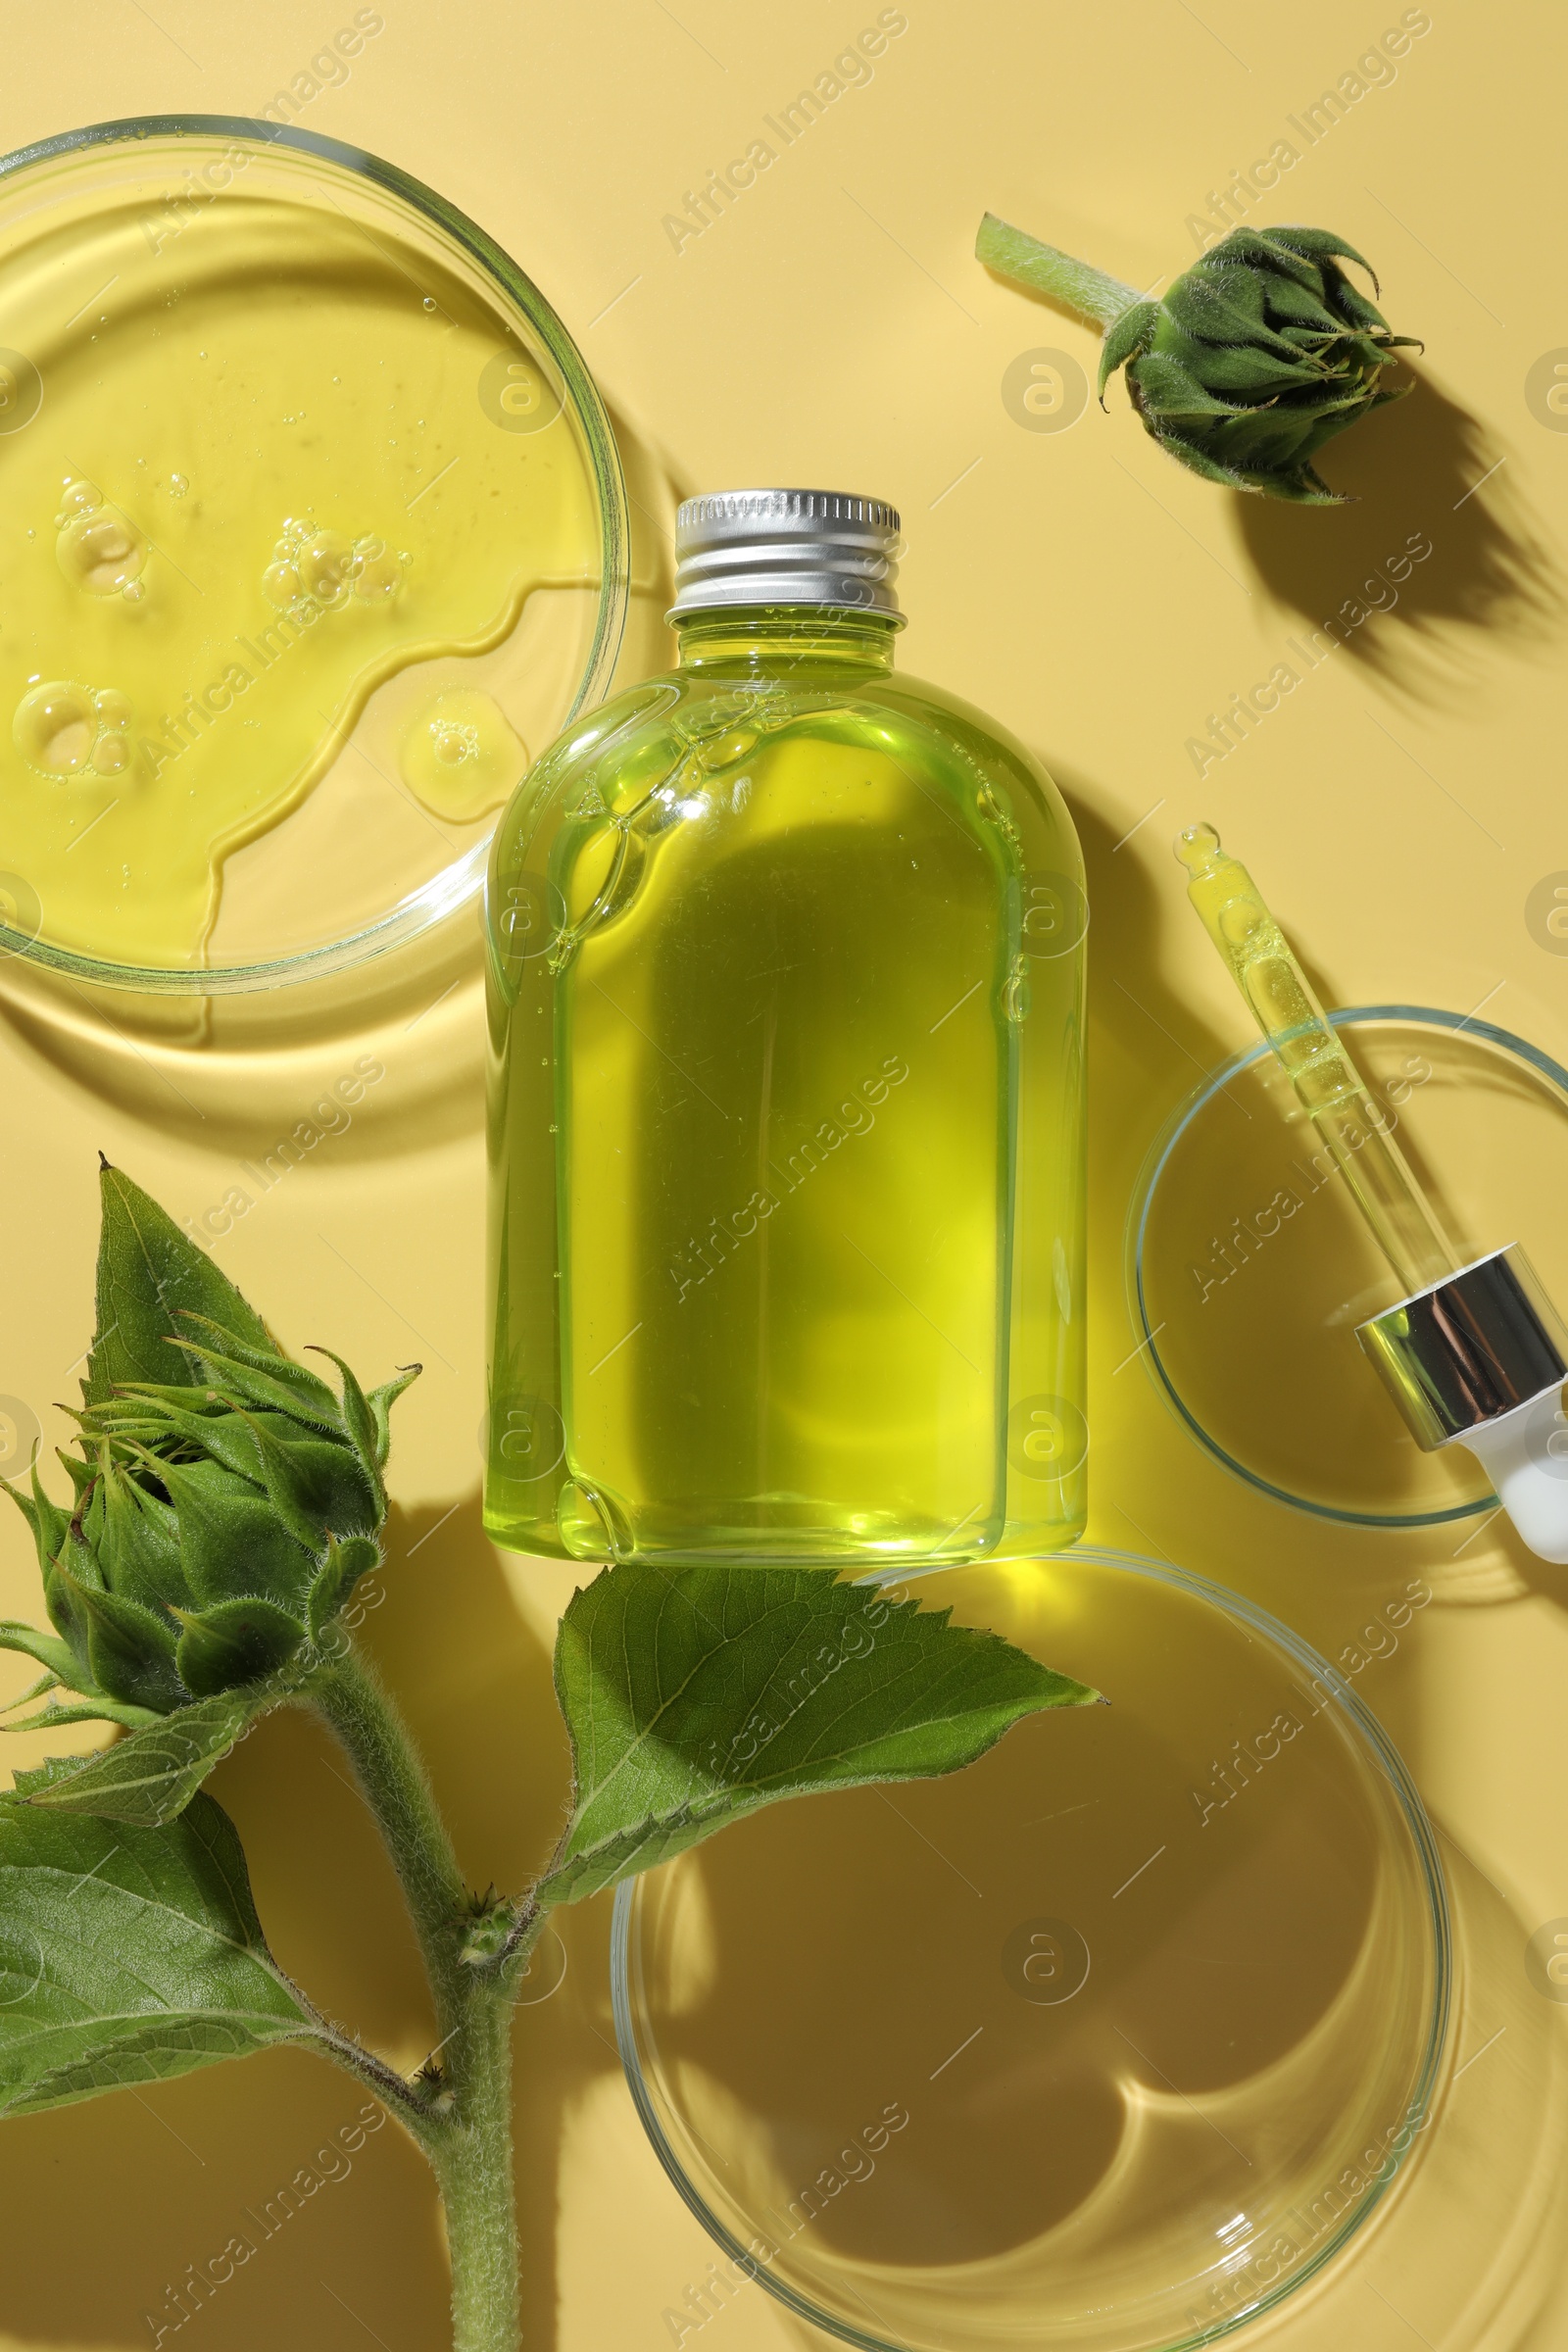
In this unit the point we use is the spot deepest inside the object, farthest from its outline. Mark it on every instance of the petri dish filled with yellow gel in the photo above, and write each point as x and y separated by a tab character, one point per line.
1111	2044
314	533
1249	1264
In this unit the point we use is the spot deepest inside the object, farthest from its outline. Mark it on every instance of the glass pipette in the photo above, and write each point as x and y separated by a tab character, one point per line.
1476	1353
1328	1086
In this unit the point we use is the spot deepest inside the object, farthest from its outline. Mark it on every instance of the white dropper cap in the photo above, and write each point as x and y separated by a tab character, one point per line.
1525	1454
1478	1360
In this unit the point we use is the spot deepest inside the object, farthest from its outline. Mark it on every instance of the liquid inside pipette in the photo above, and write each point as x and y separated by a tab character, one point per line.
1353	1124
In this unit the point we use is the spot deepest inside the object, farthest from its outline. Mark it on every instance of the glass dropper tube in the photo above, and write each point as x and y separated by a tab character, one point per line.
1354	1126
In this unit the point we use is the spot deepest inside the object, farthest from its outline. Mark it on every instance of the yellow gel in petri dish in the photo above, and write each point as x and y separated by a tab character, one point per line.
304	541
462	757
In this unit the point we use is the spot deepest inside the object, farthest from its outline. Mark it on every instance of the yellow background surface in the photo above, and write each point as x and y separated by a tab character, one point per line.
833	328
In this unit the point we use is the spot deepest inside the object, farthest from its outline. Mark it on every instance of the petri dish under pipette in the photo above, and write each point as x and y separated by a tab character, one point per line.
1475	1355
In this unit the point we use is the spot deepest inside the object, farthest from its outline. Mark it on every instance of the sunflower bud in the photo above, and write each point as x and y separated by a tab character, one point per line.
219	1523
1249	362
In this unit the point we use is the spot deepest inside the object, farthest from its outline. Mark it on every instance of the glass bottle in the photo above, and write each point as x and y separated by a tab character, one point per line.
786	974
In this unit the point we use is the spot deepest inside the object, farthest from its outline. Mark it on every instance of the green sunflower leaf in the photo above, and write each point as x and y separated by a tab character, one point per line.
128	1955
148	1272
694	1695
236	1642
151	1777
344	1566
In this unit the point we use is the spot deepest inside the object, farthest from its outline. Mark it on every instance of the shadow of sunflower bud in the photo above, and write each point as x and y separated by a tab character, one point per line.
1433	545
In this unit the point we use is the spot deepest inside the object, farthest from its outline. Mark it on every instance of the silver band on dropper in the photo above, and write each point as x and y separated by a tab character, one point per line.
786	547
1469	1349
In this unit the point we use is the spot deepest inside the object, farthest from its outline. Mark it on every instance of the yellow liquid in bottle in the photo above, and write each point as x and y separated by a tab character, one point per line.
787	999
277	486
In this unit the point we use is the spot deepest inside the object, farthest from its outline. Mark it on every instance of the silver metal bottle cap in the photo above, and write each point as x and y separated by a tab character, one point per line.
1469	1349
786	547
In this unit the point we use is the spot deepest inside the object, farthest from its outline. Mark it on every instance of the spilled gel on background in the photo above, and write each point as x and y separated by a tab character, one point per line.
262	483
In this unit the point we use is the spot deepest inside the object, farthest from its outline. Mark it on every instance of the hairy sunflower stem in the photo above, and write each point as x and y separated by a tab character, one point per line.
348	1692
396	2095
1089	292
465	2126
473	2165
527	1925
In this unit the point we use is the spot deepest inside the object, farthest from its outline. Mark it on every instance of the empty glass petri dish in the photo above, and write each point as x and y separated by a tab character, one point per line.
1249	1266
315	533
1111	2041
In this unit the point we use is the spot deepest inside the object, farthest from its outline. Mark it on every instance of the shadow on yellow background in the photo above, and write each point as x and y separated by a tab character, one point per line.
1429	539
256	1084
107	2205
169	2175
1150	1049
1422	475
197	2162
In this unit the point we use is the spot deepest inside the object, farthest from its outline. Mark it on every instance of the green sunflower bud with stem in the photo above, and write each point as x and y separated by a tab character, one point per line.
222	1513
221	1516
1247	364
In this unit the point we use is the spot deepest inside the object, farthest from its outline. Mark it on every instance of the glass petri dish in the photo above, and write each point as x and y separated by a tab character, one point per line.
316	535
1249	1266
1111	2041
